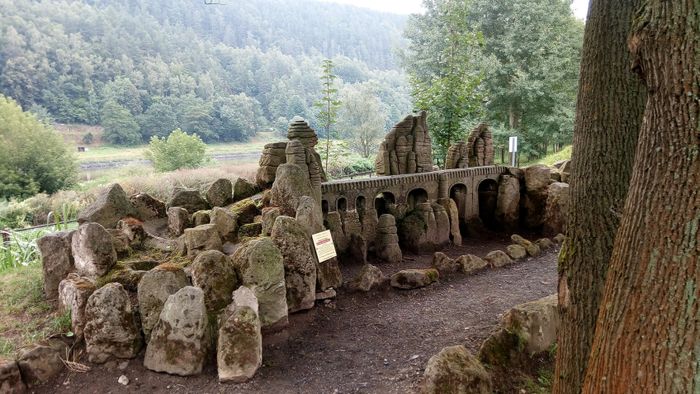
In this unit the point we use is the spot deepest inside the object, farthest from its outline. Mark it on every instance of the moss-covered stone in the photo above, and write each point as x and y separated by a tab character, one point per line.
455	370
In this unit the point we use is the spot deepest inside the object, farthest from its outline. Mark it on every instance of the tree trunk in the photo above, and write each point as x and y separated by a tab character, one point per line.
608	117
647	336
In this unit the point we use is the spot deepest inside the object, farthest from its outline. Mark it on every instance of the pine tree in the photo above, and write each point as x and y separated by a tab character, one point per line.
328	104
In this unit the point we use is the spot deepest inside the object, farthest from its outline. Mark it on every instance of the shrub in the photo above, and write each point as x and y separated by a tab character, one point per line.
88	138
33	157
179	150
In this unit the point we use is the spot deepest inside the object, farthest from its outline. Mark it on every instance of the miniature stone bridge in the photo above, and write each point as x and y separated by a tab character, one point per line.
473	189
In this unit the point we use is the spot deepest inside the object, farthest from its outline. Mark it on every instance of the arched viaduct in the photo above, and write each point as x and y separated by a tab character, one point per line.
473	189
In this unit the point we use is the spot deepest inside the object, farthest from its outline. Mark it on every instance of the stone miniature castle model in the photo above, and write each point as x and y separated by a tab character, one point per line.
213	272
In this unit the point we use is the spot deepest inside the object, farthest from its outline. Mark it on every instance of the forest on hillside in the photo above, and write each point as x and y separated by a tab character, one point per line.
142	69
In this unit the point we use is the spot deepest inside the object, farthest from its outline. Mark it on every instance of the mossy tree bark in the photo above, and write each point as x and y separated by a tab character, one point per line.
608	117
647	336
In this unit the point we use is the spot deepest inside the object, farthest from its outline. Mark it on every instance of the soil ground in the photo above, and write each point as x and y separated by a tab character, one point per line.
377	342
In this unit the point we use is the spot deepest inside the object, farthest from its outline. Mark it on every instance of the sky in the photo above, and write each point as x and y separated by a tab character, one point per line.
580	7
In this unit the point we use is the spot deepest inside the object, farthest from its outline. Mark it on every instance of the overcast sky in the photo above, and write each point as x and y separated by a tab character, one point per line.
580	7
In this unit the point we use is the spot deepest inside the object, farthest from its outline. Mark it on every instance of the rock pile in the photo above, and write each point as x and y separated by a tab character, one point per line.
406	149
273	155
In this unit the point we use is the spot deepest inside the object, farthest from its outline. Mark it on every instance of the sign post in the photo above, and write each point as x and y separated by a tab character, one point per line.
323	243
513	149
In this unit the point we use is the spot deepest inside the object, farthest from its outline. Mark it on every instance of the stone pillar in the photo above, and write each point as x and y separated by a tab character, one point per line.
443	189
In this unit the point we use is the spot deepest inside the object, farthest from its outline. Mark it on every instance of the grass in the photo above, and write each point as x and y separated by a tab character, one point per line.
550	159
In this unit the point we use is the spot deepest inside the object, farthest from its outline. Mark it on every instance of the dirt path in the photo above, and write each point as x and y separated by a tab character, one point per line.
377	342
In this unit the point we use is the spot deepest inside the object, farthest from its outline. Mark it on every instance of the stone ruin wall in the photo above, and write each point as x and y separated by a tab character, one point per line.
477	151
407	148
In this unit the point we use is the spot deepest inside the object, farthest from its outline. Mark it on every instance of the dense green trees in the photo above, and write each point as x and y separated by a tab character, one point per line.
178	150
33	158
361	119
222	72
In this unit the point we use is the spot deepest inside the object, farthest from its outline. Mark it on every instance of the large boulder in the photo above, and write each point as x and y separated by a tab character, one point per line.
537	178
201	217
387	241
444	264
291	183
181	340
239	346
226	223
369	278
544	243
201	238
508	202
56	260
40	363
189	199
178	220
111	205
220	192
10	378
73	294
516	252
243	188
470	263
531	248
527	330
154	288
557	208
146	207
93	251
260	266
455	370
328	275
269	215
111	329
453	214
299	262
309	215
498	258
213	272
414	278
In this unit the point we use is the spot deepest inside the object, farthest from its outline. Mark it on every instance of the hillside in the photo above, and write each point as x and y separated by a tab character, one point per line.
222	71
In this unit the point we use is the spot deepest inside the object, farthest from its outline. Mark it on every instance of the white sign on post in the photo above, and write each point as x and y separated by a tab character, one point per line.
513	148
323	243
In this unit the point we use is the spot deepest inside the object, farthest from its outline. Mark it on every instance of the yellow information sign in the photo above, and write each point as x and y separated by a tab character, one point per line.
323	243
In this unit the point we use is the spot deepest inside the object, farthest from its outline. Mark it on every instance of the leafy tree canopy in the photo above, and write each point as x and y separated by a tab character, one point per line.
179	150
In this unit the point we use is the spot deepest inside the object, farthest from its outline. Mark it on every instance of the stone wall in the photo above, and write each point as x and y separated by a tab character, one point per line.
407	148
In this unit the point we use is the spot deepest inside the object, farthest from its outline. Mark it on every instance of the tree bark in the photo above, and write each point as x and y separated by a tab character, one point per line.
608	117
647	336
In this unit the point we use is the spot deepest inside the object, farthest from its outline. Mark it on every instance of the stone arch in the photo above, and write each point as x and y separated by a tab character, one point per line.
361	206
324	206
342	204
458	193
383	202
415	197
488	196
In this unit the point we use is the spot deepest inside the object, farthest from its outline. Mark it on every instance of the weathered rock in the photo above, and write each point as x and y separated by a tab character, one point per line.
414	278
470	264
406	148
531	248
120	242
544	243
455	370
250	230
508	202
537	178
147	207
556	211
326	295
245	211
39	363
180	341
309	215
272	156
178	220
497	259
387	241
526	330
243	188
111	329
239	346
533	210
453	213
201	217
220	192
111	205
294	243
56	260
259	265
559	238
516	251
444	264
335	225
154	288
369	278
73	293
10	378
213	272
126	276
442	225
328	275
190	199
480	146
133	231
93	251
226	223
357	248
457	156
269	215
291	183
201	238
